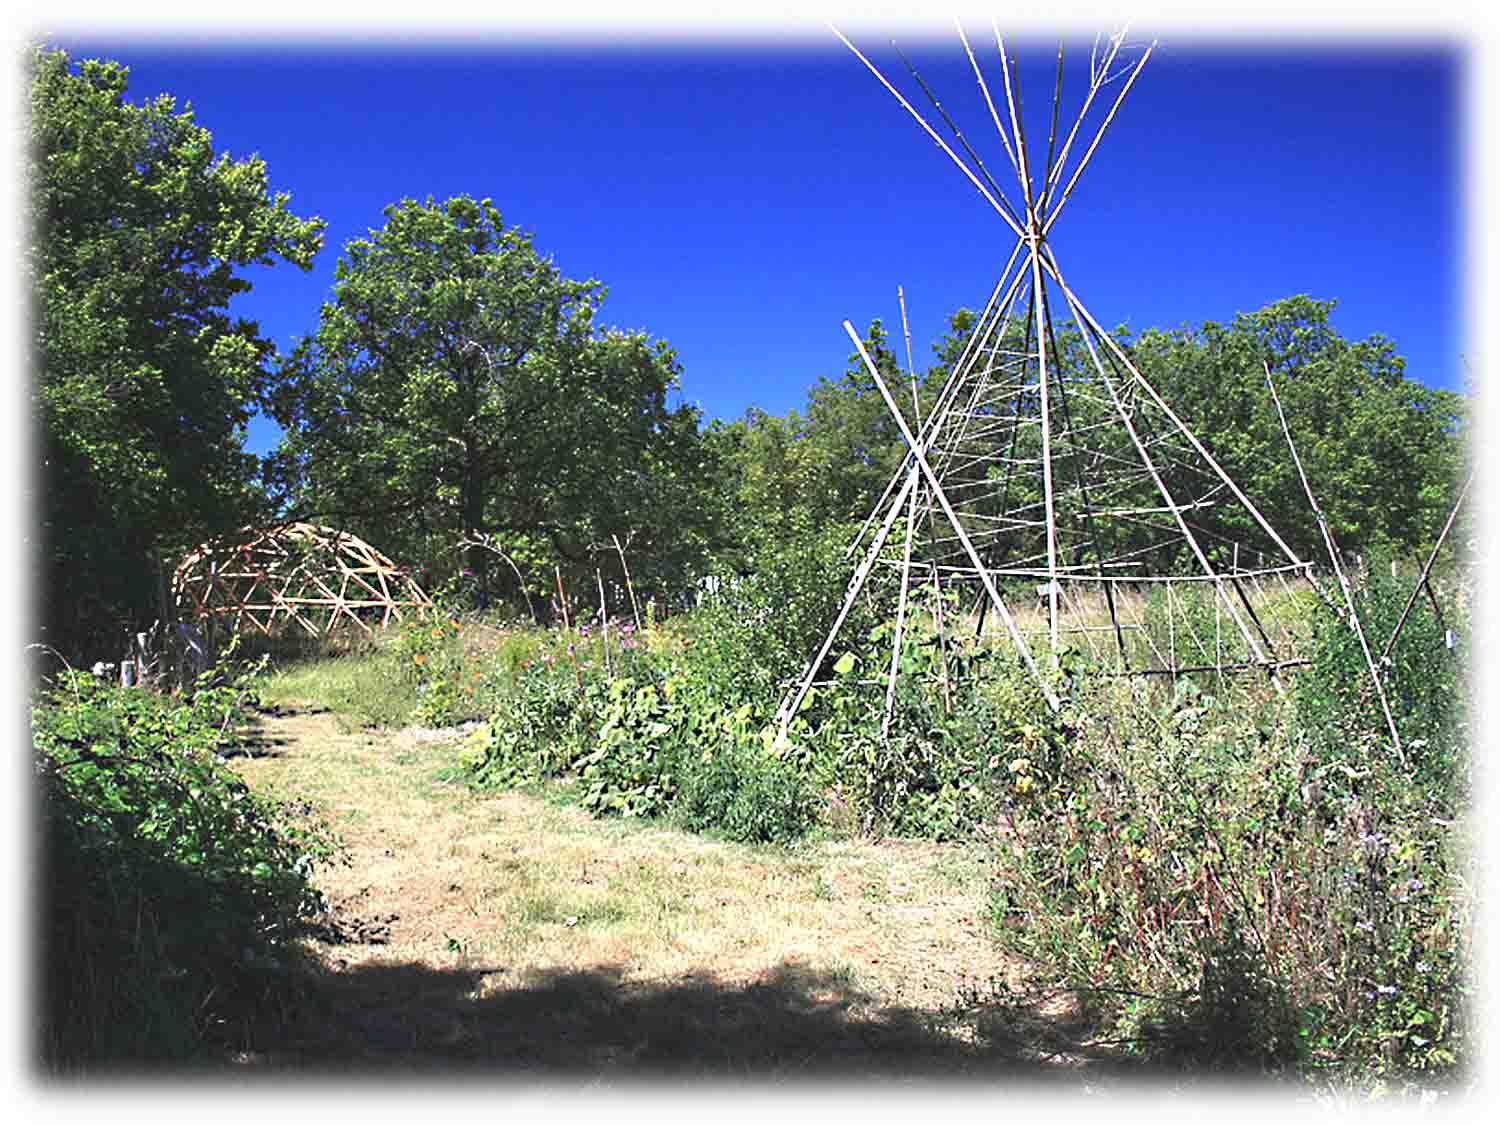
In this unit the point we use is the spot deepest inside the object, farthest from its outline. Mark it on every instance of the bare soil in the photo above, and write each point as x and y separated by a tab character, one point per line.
511	934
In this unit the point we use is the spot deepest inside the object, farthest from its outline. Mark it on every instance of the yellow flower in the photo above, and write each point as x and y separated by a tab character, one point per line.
1020	765
1023	784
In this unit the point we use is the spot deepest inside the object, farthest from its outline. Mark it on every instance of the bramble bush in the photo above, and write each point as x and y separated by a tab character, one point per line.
170	893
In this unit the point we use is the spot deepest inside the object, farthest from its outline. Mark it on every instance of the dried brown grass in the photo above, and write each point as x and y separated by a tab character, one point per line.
461	919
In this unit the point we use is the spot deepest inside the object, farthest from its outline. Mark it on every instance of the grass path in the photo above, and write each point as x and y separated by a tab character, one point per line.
514	934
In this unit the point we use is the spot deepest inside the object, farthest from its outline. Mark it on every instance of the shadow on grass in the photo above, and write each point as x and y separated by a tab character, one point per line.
409	1019
254	739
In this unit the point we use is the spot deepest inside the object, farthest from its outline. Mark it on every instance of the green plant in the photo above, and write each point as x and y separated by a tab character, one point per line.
172	894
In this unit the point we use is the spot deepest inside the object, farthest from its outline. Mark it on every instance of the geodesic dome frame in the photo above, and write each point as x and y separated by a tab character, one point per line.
295	572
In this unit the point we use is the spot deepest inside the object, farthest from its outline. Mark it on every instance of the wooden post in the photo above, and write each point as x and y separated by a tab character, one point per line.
562	600
635	609
1333	557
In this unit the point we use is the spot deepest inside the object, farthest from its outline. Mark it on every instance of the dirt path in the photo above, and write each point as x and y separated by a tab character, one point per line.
504	932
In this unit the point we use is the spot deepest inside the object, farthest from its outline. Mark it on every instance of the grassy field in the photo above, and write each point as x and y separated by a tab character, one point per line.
513	932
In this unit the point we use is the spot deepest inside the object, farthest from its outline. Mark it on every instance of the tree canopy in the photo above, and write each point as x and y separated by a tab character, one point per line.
144	383
457	384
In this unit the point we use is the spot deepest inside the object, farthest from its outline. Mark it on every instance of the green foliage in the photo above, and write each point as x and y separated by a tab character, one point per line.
144	382
740	790
753	635
1421	678
171	893
1384	453
457	383
429	654
1197	851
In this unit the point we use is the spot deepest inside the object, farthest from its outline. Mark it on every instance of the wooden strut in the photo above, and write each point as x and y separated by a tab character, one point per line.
1426	570
973	398
253	577
1333	557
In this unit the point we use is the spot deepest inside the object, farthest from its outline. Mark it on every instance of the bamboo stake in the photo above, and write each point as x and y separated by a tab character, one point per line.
604	619
1427	569
984	191
937	490
937	601
1333	557
562	601
1161	487
635	609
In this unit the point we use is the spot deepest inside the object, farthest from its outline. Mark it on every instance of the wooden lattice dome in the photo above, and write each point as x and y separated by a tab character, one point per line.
300	572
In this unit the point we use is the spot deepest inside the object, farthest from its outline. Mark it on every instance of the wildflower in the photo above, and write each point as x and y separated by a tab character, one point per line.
1423	967
1418	1041
1366	927
627	643
570	649
627	628
583	630
1020	765
417	658
1415	885
1023	784
436	632
1387	990
548	658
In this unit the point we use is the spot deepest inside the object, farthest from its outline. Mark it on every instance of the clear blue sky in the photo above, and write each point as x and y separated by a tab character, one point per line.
740	201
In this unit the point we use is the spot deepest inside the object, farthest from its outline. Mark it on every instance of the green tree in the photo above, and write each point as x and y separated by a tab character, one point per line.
1384	453
457	384
144	383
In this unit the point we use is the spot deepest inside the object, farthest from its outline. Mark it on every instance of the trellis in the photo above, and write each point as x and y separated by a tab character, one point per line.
1034	472
316	577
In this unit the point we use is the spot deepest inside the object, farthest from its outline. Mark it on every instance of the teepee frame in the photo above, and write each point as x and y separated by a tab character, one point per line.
314	576
1025	470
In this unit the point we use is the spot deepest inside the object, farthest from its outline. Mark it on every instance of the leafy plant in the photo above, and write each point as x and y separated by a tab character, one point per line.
171	893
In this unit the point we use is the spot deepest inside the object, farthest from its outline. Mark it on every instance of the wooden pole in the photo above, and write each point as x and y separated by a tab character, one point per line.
562	601
963	536
1333	557
964	168
1427	569
604	622
629	587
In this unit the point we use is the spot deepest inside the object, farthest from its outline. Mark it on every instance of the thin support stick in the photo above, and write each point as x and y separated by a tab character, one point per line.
1427	568
964	168
604	619
635	610
963	536
937	603
1333	557
562	600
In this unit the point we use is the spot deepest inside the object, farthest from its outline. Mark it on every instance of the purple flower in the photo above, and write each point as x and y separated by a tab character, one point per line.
1415	885
1423	967
1387	990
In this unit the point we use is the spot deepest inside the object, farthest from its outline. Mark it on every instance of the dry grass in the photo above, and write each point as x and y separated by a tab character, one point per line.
513	932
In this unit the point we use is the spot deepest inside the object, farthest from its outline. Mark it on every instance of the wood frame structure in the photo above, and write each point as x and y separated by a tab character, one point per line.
292	572
1048	460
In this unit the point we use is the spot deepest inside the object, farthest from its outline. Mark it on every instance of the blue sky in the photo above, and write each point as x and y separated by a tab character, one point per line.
741	200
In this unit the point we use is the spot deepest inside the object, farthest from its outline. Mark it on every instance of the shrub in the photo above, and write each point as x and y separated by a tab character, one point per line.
1196	850
170	893
743	792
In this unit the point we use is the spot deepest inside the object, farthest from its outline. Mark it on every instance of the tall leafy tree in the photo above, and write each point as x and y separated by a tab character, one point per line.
1384	453
457	384
144	382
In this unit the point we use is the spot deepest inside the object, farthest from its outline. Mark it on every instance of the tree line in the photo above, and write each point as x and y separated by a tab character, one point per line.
462	405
